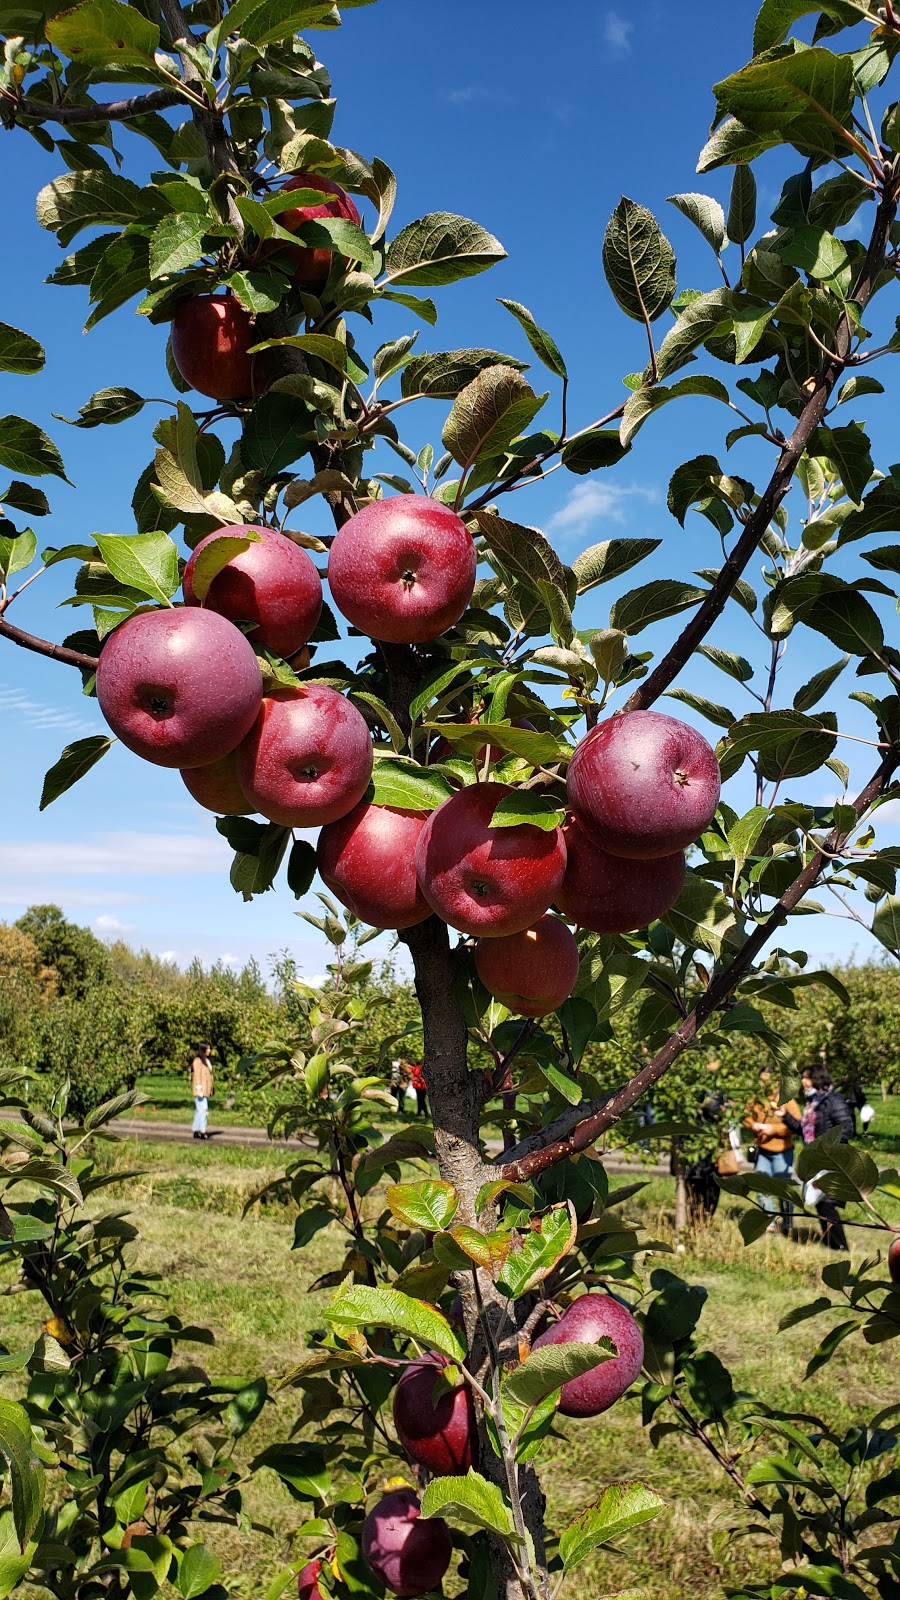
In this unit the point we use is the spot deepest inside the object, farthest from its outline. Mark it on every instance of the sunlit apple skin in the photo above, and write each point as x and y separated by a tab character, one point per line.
643	784
308	1581
313	265
272	583
217	788
484	881
308	759
610	894
893	1260
367	860
587	1320
408	1552
438	1435
180	688
531	972
402	570
211	336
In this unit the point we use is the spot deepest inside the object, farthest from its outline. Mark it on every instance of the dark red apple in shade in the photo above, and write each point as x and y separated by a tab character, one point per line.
367	860
308	1581
531	972
313	264
408	1552
308	759
211	337
487	881
435	1422
402	570
643	784
217	787
180	688
593	1317
272	583
893	1259
609	894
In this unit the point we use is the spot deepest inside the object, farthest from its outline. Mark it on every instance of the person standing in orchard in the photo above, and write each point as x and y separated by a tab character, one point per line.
824	1108
774	1143
417	1079
201	1088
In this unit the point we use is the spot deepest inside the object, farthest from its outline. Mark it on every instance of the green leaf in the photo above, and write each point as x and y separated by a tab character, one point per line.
469	1502
639	261
25	1471
75	761
211	560
25	497
732	145
104	33
17	551
539	1252
523	807
524	553
831	607
85	199
430	1204
176	242
426	309
441	248
407	786
301	867
843	1172
886	923
609	559
257	291
706	708
593	450
818	685
144	561
735	666
489	413
547	1369
849	449
541	343
441	376
803	99
385	716
742	205
646	400
788	742
637	609
276	433
362	1307
300	1465
106	406
198	1571
244	1408
694	325
470	738
19	352
25	448
702	917
706	214
622	1506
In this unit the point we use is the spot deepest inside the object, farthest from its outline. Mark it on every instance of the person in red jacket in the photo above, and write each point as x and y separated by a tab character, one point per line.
417	1079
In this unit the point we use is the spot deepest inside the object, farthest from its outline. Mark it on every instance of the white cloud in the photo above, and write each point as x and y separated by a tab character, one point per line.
169	956
589	502
36	870
43	717
107	924
468	93
616	32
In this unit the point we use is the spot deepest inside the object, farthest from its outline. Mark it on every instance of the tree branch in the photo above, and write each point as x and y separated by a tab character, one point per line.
45	647
780	482
109	111
210	123
580	1127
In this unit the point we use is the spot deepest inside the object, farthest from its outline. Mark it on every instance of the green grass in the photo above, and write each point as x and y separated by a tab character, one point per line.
241	1279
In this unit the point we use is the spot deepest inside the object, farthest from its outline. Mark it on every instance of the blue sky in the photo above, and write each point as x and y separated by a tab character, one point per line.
533	130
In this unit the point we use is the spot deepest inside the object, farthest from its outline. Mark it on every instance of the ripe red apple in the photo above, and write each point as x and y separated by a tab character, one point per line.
272	583
611	895
531	972
487	881
313	265
588	1319
643	784
180	688
893	1259
217	787
438	1433
408	1552
367	860
403	570
308	1581
308	759
211	336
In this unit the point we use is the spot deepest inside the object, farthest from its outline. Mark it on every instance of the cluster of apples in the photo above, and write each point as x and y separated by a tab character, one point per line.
212	335
435	1423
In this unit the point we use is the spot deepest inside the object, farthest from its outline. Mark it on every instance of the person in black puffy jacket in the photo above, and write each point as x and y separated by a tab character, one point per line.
824	1108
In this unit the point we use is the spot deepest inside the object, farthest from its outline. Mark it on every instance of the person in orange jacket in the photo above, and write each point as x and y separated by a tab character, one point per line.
417	1079
774	1143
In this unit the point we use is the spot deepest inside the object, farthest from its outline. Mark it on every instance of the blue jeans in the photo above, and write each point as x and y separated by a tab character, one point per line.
776	1164
201	1110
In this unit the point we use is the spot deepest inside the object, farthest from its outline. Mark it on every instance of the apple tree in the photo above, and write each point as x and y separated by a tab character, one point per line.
487	767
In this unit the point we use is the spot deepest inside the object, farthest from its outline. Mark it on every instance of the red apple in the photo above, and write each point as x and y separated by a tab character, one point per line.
487	881
211	336
893	1259
313	264
272	583
367	860
217	787
588	1319
408	1552
180	688
436	1432
308	759
611	895
403	570
643	784
308	1581
531	972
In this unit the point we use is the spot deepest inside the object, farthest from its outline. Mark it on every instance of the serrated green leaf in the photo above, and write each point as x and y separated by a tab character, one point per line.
176	242
430	1204
664	597
706	214
647	400
622	1506
488	414
362	1307
25	448
407	786
469	1502
547	1369
104	33
19	352
803	99
75	761
742	205
441	248
639	261
541	343
83	199
147	562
